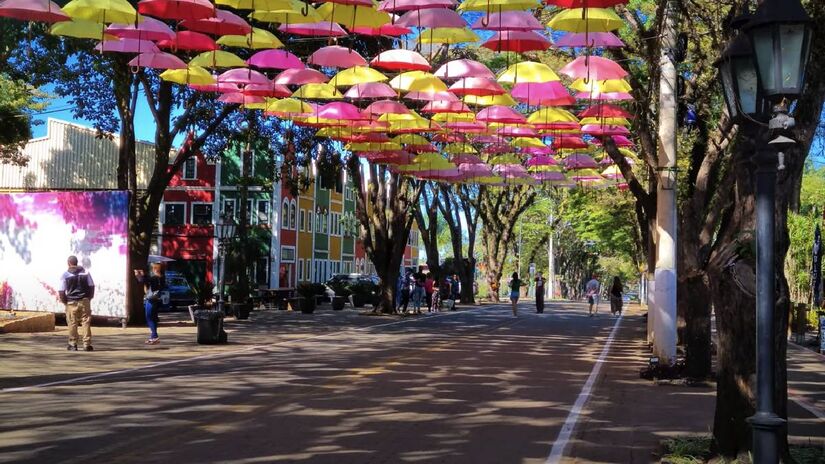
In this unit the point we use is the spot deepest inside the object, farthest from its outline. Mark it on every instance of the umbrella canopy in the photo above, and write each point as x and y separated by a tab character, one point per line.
594	86
189	40
441	106
517	41
509	21
417	81
381	107
356	75
551	93
287	15
479	86
593	67
275	59
295	76
336	56
288	107
605	110
218	59
527	71
319	29
157	60
257	39
406	5
351	15
266	90
457	69
431	17
370	90
243	77
541	160
240	98
580	161
318	92
390	30
549	176
102	11
127	46
177	9
447	35
586	20
341	110
489	100
568	142
496	5
33	10
585	3
223	23
589	40
503	114
80	29
148	29
400	60
442	95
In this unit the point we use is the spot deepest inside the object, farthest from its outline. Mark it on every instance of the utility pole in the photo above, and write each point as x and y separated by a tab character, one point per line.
664	344
551	262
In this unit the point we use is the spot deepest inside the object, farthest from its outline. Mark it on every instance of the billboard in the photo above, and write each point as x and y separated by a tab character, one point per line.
38	231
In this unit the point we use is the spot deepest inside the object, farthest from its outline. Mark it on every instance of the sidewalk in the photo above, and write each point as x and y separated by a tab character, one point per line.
627	417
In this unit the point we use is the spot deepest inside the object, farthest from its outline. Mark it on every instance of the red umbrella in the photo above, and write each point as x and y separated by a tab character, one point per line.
585	3
457	69
300	77
389	30
224	23
509	21
593	67
157	61
177	9
478	86
605	110
33	10
148	29
370	90
319	29
189	40
568	142
407	5
431	17
400	60
336	56
275	59
517	41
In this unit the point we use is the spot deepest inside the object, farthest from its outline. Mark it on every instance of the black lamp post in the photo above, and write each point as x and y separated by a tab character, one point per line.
225	230
765	66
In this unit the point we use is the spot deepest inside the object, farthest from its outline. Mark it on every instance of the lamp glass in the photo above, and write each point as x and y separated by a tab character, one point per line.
763	48
792	39
747	84
727	88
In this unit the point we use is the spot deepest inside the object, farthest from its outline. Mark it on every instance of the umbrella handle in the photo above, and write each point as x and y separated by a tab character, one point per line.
305	10
485	20
134	69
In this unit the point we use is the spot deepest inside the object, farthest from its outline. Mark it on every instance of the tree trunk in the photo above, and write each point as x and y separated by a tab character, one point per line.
694	298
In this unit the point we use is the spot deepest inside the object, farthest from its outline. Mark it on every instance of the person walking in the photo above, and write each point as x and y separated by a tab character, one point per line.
153	285
515	287
405	291
455	289
616	296
429	283
418	290
76	290
539	292
591	290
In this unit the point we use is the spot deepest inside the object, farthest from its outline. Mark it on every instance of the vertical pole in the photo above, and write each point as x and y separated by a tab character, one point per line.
551	263
765	422
221	281
664	344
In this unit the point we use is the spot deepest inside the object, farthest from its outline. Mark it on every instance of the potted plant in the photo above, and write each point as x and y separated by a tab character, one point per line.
306	293
342	292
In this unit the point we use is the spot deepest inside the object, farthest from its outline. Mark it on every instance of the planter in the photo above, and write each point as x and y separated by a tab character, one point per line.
358	301
338	302
241	310
308	306
295	303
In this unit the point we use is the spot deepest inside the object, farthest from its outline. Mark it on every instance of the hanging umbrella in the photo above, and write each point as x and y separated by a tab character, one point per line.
148	29
218	59
502	114
619	140
189	40
299	13
551	93
400	60
586	20
242	77
517	41
457	69
568	142
33	10
548	176
102	11
605	96
593	68
612	172
527	71
127	46
489	100
417	81
370	90
516	131
275	59
341	110
177	9
589	40
223	23
447	35
214	87
267	5
319	29
580	161
508	21
442	95
157	60
406	5
598	130
318	92
441	106
191	75
380	107
256	40
540	161
585	3
596	86
390	30
351	16
605	121
466	158
498	5
479	86
336	56
80	29
295	76
288	107
270	90
431	17
358	74
605	110
527	142
240	98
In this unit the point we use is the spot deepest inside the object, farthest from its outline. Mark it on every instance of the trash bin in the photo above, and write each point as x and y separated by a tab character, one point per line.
210	327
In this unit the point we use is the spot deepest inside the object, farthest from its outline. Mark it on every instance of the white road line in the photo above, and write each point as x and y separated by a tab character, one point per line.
566	432
221	354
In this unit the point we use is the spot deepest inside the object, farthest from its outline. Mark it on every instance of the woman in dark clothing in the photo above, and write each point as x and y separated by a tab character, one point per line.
539	293
616	296
153	285
515	287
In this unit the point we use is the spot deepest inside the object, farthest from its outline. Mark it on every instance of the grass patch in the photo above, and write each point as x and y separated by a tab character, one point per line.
808	454
696	450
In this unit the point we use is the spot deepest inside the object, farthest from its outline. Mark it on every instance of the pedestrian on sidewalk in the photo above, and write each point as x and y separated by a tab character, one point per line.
515	287
592	290
429	284
76	290
405	290
539	292
153	285
455	289
418	290
616	296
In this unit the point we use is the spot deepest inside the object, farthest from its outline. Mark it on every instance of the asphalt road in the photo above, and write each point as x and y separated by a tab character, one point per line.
475	386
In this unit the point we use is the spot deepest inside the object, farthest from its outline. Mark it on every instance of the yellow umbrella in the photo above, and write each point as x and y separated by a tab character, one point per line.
459	149
318	92
351	16
257	39
373	146
427	162
606	121
589	20
447	35
397	117
544	168
417	81
288	106
287	17
81	29
102	11
527	142
418	125
255	106
551	115
218	59
195	75
454	117
591	86
506	158
489	100
357	75
411	139
527	71
266	5
497	5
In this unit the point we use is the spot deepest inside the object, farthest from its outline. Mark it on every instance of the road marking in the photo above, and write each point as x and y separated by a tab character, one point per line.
557	452
797	397
225	353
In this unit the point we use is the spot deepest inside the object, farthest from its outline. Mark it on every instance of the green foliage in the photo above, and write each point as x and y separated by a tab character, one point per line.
17	101
687	450
801	227
310	290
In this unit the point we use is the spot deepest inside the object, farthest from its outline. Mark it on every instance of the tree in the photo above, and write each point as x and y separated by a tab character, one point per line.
458	211
17	101
426	218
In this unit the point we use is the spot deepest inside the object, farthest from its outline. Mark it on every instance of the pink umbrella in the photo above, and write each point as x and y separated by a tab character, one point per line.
475	170
370	90
300	77
579	161
593	67
510	170
275	59
341	110
439	174
390	30
604	96
568	142
428	148
319	29
431	96
478	86
219	88
497	148
537	151
177	9
457	69
33	10
157	60
589	40
392	157
127	46
551	93
490	139
466	158
336	56
597	130
441	106
499	113
352	2
541	160
619	140
189	40
517	41
467	127
548	176
509	21
431	17
148	29
267	90
380	107
449	138
400	60
511	131
605	110
407	5
557	126
223	23
240	98
243	76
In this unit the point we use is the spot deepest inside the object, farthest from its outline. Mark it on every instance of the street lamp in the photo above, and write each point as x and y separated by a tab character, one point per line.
779	33
225	231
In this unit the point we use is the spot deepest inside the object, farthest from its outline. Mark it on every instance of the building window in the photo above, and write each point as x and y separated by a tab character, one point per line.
293	213
174	214
189	170
309	221
202	214
262	271
301	269
285	214
287	254
263	211
301	220
229	208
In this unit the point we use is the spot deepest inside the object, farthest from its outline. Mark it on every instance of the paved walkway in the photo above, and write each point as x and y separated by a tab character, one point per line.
474	386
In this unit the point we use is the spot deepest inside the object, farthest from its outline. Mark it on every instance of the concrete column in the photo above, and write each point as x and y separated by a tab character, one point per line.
664	325
551	263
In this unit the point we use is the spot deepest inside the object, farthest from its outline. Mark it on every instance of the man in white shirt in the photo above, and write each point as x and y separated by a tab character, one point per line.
592	290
